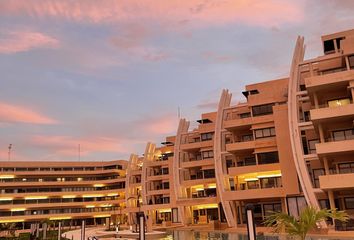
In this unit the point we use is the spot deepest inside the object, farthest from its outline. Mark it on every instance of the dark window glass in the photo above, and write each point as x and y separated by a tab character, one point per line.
262	109
265	132
267	158
349	202
207	136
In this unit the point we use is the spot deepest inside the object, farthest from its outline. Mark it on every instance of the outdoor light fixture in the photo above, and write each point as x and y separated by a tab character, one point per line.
35	197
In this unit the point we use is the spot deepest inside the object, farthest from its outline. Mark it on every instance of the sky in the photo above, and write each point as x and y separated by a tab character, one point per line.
111	75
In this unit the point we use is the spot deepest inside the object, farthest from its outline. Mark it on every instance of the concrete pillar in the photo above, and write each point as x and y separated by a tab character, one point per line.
315	98
326	166
320	130
332	204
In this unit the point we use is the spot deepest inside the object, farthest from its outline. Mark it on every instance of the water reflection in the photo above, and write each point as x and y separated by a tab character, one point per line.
194	235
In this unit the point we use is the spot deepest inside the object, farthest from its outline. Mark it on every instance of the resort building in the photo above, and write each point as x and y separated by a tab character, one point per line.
288	145
67	191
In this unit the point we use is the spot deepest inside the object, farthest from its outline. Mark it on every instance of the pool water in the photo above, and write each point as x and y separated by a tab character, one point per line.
194	235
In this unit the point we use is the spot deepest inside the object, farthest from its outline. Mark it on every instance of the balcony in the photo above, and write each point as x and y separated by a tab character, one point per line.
195	201
254	194
337	181
319	82
235	171
332	113
240	146
335	147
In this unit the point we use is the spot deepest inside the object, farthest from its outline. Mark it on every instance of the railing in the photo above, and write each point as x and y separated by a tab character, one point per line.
61	179
35	212
262	183
56	169
64	189
59	200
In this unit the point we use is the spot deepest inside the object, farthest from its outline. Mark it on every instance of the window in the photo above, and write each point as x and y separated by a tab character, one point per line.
312	145
208	154
207	136
262	109
338	102
346	168
265	132
271	182
328	46
252	185
351	61
246	138
210	173
324	203
349	202
316	176
343	135
248	114
269	208
267	158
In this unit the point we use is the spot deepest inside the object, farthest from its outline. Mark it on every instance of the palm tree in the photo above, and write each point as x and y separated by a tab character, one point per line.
307	221
10	228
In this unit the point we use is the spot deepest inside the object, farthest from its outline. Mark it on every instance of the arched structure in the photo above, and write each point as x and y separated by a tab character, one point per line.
182	129
221	178
294	119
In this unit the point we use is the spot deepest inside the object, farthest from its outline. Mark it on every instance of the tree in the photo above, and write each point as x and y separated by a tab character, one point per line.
307	221
10	228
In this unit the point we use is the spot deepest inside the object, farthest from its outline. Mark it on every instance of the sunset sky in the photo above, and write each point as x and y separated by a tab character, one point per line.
110	75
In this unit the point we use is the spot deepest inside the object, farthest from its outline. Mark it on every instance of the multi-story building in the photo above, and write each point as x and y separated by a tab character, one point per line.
194	171
66	191
290	144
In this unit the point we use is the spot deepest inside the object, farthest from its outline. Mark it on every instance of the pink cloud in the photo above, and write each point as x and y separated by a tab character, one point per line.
162	125
68	145
260	13
216	57
12	113
13	42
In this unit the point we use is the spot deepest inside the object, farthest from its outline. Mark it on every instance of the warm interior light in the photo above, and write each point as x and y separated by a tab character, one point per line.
92	195
12	221
59	218
271	175
35	197
7	176
17	209
102	216
199	189
90	206
213	185
68	196
6	199
98	185
164	210
106	205
205	206
112	194
251	179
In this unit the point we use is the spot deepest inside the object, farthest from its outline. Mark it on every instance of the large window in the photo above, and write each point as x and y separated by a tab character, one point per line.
208	154
312	145
269	208
351	61
349	202
338	102
262	109
343	135
207	136
267	158
316	176
346	167
265	132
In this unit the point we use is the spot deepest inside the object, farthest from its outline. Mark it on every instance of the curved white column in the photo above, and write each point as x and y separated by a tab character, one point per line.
182	128
133	162
295	133
224	102
148	157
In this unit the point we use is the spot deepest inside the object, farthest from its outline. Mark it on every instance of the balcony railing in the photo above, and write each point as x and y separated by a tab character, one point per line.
35	212
263	183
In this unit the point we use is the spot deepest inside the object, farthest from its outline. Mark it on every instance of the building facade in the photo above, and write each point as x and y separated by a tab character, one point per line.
288	145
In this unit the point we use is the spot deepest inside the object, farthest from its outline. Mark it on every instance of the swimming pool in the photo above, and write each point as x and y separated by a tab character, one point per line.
195	235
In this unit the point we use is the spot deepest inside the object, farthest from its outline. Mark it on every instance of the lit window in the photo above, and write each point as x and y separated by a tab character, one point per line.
338	102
